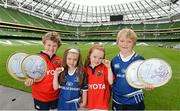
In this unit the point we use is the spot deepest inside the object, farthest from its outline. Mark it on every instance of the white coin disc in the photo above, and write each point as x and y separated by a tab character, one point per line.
35	67
155	71
131	74
13	65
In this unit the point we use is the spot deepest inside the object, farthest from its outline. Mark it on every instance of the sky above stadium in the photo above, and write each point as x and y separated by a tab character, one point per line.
100	2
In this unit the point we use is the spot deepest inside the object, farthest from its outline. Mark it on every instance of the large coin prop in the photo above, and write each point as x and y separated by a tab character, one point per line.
154	71
35	67
131	74
14	65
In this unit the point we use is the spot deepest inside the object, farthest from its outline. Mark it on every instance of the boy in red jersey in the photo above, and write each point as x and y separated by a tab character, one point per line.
100	77
45	97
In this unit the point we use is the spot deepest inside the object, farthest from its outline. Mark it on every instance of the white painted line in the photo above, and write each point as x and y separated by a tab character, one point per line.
36	42
7	42
26	43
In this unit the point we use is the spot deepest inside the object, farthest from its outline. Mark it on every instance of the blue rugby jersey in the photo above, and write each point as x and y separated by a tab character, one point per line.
70	93
122	92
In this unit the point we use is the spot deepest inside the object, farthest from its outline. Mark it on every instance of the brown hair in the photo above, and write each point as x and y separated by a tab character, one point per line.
95	46
53	36
129	34
80	68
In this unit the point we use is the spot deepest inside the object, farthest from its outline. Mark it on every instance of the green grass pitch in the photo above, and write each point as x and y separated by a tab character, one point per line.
166	97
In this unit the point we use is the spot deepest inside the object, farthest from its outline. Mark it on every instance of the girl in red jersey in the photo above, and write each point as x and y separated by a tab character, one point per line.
71	81
100	77
45	97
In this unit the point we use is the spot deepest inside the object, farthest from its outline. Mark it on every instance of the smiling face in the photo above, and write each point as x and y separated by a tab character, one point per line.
126	40
125	44
72	60
50	47
96	57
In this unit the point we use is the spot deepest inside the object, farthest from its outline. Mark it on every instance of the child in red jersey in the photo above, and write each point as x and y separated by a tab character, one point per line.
71	80
45	97
99	77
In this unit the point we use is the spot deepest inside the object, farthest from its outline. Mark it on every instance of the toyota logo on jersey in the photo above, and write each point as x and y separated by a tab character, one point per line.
97	86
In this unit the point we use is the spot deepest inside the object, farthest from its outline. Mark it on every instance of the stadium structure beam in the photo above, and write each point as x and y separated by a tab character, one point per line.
100	14
92	13
81	18
62	13
153	8
87	9
4	1
58	8
129	10
115	8
37	2
49	5
140	10
76	13
161	7
23	2
135	10
125	13
105	12
70	14
146	10
96	13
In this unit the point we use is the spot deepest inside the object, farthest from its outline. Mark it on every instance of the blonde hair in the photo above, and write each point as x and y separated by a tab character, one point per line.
129	34
53	36
95	46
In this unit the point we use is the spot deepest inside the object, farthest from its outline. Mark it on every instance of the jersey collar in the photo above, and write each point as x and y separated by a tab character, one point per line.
48	55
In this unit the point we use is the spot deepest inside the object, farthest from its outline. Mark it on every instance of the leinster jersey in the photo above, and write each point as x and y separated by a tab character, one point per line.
70	93
122	92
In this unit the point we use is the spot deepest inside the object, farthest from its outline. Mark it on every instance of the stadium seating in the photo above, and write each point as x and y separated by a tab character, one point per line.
13	22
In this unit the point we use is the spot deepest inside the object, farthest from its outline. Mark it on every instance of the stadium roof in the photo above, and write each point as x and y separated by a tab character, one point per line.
79	12
100	2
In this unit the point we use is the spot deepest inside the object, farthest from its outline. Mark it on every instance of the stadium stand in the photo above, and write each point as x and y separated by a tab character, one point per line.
14	23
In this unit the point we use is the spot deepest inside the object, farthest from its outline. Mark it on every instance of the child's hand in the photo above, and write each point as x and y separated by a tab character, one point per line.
58	71
28	82
148	87
106	62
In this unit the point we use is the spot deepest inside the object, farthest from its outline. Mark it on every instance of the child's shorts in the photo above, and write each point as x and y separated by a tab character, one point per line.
39	105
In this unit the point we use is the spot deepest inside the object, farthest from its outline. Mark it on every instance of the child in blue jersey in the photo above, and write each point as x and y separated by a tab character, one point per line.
71	81
126	97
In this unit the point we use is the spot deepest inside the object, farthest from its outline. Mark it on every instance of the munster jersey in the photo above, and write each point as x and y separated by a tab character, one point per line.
122	92
43	90
69	96
98	87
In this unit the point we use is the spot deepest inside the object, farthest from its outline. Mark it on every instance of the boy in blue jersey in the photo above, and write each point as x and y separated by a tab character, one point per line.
126	97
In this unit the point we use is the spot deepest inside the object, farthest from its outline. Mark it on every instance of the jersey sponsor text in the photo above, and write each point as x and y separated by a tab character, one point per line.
97	86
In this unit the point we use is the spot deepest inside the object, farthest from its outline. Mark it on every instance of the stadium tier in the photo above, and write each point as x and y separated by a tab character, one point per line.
15	23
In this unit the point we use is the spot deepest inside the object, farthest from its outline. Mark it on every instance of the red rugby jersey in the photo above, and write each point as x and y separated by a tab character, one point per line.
43	90
99	90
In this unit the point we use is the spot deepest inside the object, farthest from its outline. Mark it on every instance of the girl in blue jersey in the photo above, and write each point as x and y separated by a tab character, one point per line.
124	96
71	80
